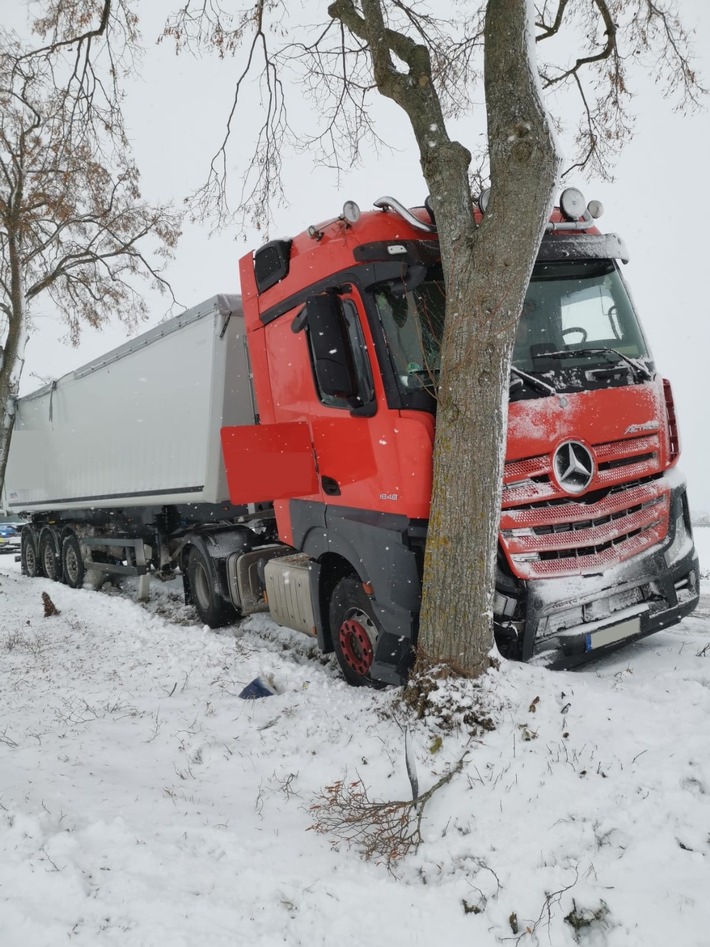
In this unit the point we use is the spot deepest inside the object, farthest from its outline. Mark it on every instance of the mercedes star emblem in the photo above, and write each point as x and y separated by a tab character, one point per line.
574	466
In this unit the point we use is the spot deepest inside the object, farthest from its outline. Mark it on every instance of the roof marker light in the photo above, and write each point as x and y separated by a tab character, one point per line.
351	212
572	203
349	216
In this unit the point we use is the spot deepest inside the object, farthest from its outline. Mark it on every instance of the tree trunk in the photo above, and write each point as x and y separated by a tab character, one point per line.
486	280
486	272
13	355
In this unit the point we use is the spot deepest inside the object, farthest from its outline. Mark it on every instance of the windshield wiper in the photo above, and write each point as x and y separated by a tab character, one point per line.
639	369
535	383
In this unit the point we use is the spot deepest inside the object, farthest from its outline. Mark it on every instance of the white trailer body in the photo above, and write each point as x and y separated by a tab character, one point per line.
139	426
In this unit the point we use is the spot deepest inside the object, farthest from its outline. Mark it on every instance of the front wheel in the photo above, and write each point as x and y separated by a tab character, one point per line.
354	631
211	607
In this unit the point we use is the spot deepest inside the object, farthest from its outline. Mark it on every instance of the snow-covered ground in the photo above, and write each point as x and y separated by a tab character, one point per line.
142	802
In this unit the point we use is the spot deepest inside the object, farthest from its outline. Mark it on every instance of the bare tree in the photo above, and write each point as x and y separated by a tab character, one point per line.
73	225
428	66
486	272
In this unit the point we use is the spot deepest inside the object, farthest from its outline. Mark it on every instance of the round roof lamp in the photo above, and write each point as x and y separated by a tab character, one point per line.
351	212
572	203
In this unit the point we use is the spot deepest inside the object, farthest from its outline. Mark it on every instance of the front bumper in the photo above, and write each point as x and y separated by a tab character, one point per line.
571	621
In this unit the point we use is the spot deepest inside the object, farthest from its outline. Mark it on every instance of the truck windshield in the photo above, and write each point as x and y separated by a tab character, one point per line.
578	329
578	315
413	324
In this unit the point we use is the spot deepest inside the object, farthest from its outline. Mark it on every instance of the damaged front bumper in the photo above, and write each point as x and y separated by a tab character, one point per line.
571	621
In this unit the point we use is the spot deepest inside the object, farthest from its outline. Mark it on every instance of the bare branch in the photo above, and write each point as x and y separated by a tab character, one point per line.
384	831
548	30
50	23
613	36
608	50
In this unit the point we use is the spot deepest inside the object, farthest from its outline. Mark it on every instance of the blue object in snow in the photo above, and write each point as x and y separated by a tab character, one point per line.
255	689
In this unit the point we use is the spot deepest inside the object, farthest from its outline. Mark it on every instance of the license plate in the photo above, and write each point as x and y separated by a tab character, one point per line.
612	633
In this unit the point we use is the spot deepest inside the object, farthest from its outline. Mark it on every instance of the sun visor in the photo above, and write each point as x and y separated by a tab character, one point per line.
582	246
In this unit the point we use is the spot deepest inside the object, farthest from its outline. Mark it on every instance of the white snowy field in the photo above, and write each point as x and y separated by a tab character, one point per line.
142	802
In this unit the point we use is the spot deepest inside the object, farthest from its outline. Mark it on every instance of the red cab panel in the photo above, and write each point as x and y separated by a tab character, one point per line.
266	461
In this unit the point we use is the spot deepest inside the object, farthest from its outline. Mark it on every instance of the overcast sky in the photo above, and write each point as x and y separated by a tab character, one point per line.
659	202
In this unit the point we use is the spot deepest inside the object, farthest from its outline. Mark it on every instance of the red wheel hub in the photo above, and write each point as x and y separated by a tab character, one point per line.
356	645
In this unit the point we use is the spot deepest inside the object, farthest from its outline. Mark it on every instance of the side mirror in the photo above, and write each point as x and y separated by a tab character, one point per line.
416	274
330	343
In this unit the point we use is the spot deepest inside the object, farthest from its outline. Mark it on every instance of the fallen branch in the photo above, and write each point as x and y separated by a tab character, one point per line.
384	831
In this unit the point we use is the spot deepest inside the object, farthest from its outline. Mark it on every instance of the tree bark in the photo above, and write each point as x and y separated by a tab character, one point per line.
13	354
487	275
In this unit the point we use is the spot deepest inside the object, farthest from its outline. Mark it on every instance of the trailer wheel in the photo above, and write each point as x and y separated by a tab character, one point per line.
72	562
211	607
28	554
354	631
49	559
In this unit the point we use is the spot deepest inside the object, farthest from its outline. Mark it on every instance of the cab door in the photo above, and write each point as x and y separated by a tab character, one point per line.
345	404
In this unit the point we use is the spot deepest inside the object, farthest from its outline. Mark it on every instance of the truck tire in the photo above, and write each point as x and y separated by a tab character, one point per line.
354	631
211	607
48	555
29	556
73	568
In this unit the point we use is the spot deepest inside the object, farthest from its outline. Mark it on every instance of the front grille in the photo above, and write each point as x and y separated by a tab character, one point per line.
544	532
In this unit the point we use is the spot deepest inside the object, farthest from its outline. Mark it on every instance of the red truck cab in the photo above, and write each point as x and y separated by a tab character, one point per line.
343	326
